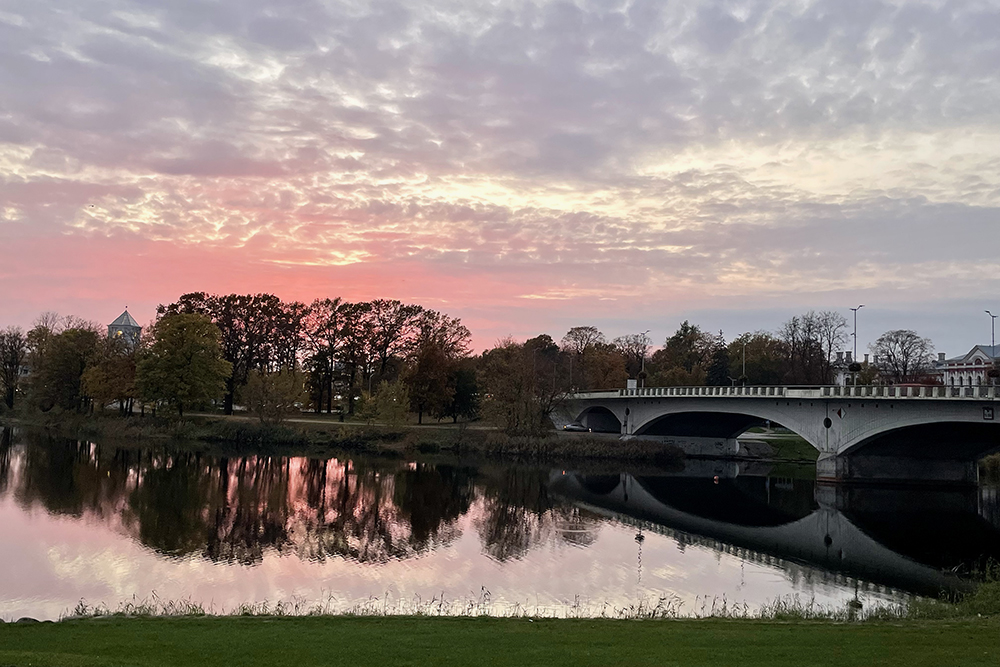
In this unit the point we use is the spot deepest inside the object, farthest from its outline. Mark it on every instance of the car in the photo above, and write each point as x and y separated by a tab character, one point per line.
577	428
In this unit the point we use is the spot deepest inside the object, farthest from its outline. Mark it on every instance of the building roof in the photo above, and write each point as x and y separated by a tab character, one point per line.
987	351
125	320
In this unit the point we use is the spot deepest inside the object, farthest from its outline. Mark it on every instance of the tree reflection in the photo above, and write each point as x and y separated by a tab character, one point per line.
237	509
515	512
6	445
431	499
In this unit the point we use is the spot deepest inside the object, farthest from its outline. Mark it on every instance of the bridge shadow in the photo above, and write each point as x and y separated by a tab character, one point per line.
927	541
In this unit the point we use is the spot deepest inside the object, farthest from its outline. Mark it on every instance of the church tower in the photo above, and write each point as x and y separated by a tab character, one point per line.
127	328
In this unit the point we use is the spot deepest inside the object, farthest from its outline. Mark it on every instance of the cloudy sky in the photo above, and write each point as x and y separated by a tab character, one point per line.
526	166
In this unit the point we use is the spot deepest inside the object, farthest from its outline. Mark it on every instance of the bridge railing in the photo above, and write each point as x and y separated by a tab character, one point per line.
774	391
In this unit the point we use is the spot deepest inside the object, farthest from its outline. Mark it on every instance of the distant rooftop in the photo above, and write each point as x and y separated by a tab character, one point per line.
125	320
989	351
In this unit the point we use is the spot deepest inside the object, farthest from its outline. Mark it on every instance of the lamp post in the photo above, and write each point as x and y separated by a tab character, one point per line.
992	373
744	363
993	333
642	364
854	361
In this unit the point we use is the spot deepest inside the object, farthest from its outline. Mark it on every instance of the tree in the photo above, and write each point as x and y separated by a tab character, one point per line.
272	396
505	374
356	350
392	403
58	383
764	355
590	361
902	356
38	339
579	339
437	343
257	331
833	337
717	374
633	348
110	375
13	351
323	333
683	359
804	354
430	381
391	324
184	364
465	401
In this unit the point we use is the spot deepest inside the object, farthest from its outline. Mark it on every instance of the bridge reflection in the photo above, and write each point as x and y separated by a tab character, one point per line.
926	541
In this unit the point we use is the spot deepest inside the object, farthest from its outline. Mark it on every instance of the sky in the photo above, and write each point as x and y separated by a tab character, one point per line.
525	166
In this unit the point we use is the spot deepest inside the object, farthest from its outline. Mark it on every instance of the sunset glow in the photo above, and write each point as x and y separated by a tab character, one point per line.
525	166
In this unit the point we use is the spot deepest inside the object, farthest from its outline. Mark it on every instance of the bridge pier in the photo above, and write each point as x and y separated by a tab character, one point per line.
873	469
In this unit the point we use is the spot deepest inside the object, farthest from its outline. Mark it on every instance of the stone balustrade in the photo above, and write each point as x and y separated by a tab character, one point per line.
977	392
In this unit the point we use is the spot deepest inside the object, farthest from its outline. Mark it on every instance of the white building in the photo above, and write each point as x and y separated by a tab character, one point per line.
969	369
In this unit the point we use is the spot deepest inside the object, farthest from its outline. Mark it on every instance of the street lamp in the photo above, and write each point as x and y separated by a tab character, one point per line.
993	372
854	361
993	333
855	334
642	365
744	363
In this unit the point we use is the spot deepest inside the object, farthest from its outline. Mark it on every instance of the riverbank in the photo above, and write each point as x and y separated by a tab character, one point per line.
384	641
319	435
323	437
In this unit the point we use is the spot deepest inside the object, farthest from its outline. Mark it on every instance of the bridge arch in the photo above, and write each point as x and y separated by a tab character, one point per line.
600	419
932	440
700	424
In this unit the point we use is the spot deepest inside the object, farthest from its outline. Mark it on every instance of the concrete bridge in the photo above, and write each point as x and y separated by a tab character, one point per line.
865	433
905	539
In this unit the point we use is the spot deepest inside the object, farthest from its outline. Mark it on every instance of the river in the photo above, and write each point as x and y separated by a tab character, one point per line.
101	526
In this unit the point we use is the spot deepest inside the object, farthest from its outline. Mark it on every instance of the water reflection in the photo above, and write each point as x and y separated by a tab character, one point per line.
920	540
533	531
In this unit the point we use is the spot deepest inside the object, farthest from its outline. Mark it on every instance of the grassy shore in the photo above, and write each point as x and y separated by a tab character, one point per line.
383	641
317	435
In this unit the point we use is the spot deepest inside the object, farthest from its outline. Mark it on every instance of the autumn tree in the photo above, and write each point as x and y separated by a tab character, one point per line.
392	326
902	356
322	330
579	339
274	395
717	373
465	401
257	331
13	351
757	359
392	403
590	361
58	382
831	330
439	342
683	359
523	384
804	354
110	374
505	375
633	348
184	364
356	353
430	381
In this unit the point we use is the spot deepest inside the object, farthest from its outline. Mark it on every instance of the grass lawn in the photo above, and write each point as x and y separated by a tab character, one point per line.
383	641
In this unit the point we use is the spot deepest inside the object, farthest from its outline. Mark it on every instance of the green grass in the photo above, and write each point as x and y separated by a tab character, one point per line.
387	641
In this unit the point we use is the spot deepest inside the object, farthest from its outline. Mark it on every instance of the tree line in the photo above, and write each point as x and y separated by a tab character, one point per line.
383	359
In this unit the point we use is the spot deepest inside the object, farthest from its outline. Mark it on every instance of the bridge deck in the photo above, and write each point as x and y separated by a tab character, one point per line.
979	392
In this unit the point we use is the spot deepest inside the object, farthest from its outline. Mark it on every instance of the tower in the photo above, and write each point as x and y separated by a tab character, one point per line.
126	328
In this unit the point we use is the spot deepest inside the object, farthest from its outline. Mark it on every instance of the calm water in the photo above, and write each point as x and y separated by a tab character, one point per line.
110	525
